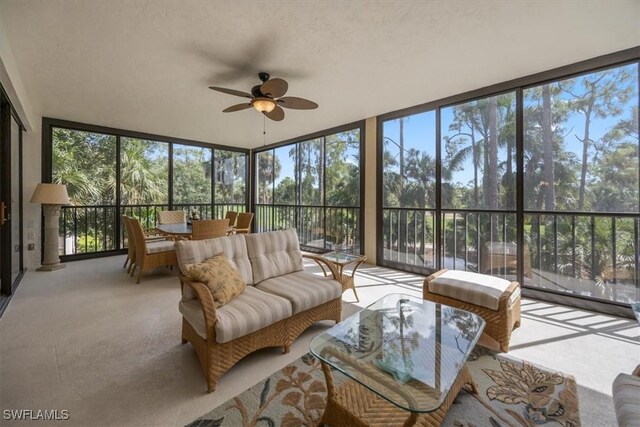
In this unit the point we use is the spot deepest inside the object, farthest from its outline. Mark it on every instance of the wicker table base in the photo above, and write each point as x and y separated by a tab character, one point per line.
353	405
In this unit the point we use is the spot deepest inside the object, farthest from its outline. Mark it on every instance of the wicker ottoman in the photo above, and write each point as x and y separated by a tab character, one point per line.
496	300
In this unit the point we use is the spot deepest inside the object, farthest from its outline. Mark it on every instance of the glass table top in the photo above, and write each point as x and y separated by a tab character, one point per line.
341	257
405	349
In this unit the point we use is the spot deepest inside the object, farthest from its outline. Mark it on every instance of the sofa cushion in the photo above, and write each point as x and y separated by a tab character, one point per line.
303	289
274	253
248	312
222	279
234	248
626	399
478	289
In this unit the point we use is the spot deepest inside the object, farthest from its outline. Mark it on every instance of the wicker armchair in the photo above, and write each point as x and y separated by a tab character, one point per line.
149	255
232	216
172	217
244	223
209	228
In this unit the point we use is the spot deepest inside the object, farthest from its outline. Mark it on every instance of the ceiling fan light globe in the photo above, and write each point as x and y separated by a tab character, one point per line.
264	105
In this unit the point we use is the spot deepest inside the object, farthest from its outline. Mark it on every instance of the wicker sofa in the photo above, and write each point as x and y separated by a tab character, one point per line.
280	301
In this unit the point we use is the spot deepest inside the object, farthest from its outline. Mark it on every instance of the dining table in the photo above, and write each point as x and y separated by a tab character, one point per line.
178	229
181	229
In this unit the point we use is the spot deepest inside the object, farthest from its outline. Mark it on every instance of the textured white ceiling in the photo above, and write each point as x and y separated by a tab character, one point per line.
146	65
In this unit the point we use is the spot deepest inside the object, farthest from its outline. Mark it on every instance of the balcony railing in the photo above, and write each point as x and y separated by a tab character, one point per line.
92	229
594	255
318	227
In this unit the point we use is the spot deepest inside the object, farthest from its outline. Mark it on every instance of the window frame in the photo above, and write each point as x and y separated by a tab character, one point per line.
601	63
48	124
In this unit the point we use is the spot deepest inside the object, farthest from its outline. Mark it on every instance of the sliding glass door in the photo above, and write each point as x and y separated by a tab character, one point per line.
11	262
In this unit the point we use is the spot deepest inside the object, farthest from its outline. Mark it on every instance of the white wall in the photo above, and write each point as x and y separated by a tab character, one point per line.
31	148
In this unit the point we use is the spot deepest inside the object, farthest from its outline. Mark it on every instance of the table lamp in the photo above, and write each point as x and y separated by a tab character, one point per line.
51	196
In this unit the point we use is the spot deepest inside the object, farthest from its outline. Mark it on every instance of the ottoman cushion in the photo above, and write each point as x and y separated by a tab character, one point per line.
477	289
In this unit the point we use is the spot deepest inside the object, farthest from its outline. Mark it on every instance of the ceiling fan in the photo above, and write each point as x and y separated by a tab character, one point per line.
268	98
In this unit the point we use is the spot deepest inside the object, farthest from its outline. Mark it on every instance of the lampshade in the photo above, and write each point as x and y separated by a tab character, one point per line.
50	194
264	105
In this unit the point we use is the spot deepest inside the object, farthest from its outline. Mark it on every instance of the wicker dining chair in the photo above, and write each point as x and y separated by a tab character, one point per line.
244	223
150	236
209	228
172	217
149	255
231	216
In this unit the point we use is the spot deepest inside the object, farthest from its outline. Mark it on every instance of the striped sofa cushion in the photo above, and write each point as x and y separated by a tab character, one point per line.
273	254
473	288
246	313
303	289
626	399
234	248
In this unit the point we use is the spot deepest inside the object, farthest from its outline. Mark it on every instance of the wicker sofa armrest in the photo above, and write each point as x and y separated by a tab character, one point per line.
203	294
504	298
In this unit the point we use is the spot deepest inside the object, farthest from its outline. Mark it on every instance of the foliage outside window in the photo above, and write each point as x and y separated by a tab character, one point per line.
210	180
313	186
580	196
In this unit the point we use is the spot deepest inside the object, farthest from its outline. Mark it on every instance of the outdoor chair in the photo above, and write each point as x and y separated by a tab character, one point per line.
172	217
232	216
150	236
244	223
149	255
209	228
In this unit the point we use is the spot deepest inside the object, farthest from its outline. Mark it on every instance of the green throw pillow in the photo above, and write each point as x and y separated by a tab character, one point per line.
222	279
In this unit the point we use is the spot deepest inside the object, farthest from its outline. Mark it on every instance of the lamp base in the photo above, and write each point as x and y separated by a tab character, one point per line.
51	267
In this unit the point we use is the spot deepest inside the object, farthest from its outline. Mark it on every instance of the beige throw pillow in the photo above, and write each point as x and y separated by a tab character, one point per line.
220	277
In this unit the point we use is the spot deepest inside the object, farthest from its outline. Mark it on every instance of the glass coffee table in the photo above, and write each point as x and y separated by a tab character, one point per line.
404	358
336	261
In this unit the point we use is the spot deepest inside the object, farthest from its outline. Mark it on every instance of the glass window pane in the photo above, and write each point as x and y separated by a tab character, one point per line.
86	163
311	172
144	176
478	154
343	169
230	177
409	168
286	190
191	174
266	170
581	143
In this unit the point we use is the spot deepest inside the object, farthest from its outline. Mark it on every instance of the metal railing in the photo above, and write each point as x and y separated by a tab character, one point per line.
318	227
92	229
592	254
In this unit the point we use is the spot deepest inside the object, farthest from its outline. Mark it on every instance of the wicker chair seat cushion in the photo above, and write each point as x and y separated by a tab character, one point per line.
248	312
222	279
159	246
234	248
473	288
303	289
273	254
626	399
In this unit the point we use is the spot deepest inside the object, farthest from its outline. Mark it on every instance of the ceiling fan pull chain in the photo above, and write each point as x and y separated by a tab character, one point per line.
264	130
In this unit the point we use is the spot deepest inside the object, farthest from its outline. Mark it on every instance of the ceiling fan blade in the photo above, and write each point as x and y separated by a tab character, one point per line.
297	103
274	88
231	92
236	107
277	114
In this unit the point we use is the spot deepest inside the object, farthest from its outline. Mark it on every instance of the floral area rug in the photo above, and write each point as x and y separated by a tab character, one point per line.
512	392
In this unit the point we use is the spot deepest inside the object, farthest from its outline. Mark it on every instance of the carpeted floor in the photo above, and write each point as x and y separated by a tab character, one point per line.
511	392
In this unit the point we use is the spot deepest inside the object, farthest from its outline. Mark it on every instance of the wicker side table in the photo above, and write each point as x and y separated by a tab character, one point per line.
335	262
